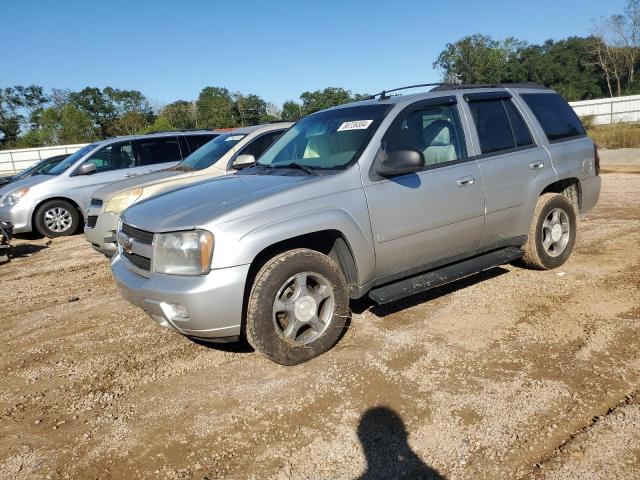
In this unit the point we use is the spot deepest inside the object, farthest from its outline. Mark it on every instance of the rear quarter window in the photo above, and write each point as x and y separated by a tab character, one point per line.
556	117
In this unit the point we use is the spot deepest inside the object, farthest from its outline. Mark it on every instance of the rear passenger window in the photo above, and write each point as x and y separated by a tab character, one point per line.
521	133
433	130
494	130
196	141
556	117
157	150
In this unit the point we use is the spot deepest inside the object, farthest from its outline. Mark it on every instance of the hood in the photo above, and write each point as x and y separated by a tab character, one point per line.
25	182
193	205
108	191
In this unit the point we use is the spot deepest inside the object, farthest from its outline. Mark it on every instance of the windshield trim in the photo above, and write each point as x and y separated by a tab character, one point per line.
356	156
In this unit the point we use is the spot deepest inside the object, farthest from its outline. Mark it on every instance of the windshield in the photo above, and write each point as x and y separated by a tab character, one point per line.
39	168
326	140
210	152
70	160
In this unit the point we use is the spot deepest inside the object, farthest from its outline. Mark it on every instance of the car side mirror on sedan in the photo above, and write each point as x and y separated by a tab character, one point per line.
87	168
399	162
243	161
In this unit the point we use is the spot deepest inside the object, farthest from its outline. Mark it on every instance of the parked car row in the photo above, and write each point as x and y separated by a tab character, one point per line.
52	203
270	235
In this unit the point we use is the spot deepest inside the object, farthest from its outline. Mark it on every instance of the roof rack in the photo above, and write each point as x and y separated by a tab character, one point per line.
459	86
444	86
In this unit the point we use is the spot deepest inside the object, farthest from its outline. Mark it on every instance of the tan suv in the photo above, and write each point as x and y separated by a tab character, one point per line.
227	153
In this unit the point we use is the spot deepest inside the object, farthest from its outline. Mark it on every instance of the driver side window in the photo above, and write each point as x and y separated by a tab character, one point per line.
113	157
433	130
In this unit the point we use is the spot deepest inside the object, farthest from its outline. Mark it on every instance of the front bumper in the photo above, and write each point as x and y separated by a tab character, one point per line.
103	234
19	215
213	302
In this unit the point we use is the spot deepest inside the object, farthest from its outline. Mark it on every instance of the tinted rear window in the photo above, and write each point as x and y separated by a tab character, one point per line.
556	117
158	150
493	126
196	141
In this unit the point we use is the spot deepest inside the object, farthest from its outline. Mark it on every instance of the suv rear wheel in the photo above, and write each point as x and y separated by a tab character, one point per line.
56	218
298	306
552	234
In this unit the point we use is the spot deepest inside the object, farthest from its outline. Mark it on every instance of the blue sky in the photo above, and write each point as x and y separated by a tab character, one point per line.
276	49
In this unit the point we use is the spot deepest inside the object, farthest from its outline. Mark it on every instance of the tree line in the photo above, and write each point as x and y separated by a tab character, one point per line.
31	117
602	64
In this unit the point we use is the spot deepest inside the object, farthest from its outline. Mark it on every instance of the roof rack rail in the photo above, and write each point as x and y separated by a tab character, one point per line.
383	94
460	86
444	86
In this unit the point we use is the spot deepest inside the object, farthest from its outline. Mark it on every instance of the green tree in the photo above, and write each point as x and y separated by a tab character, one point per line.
180	115
249	109
65	125
215	108
160	124
476	59
291	111
321	99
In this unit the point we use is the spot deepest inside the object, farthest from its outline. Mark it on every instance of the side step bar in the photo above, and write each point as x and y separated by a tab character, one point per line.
450	273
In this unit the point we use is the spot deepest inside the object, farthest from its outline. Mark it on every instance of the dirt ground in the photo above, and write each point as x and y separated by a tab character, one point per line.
511	373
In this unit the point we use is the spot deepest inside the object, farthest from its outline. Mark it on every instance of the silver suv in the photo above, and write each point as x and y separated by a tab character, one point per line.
386	197
229	152
53	203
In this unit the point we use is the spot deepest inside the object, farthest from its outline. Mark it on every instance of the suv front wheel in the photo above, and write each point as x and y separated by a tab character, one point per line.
298	306
56	218
552	234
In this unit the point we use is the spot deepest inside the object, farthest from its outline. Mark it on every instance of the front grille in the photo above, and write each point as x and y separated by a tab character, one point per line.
96	203
91	221
139	261
140	236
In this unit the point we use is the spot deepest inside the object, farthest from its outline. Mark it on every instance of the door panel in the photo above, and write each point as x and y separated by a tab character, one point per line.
437	212
423	217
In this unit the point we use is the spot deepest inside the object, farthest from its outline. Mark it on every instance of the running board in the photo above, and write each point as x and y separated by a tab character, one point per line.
450	273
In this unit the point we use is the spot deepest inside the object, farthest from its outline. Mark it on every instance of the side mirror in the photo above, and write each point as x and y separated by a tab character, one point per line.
87	168
400	162
243	161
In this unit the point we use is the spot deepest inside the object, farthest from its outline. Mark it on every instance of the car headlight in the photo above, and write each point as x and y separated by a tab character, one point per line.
13	197
183	253
123	200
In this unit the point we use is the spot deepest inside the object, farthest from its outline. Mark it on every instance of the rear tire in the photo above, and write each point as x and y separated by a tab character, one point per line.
57	218
552	234
298	306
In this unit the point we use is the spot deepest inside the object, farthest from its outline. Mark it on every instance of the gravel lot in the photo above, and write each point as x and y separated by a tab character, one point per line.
509	374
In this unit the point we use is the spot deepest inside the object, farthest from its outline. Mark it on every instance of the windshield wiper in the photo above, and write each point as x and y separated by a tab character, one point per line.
299	166
181	168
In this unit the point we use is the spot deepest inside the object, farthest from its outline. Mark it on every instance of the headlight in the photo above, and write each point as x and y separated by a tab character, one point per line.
183	253
14	197
122	200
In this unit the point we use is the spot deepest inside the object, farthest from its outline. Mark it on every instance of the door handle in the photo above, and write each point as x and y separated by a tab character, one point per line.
465	181
536	165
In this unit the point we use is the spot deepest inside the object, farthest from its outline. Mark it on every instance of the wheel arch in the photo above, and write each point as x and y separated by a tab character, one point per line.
569	187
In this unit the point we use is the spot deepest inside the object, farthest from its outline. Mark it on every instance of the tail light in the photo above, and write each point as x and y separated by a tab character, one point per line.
596	159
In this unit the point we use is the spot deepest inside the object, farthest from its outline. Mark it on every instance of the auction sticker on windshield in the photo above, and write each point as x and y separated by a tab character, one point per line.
234	138
355	125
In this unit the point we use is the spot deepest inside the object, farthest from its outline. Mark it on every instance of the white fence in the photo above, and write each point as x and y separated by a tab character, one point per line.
12	161
610	110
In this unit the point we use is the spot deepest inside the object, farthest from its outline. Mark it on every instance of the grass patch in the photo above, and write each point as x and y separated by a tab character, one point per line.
621	135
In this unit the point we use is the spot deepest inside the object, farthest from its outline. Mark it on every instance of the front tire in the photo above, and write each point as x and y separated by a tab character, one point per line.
298	307
57	218
552	234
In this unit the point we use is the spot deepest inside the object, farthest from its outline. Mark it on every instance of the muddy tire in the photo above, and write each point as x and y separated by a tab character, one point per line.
298	307
57	218
552	234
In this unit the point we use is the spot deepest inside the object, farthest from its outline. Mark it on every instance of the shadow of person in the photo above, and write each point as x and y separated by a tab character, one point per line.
384	440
